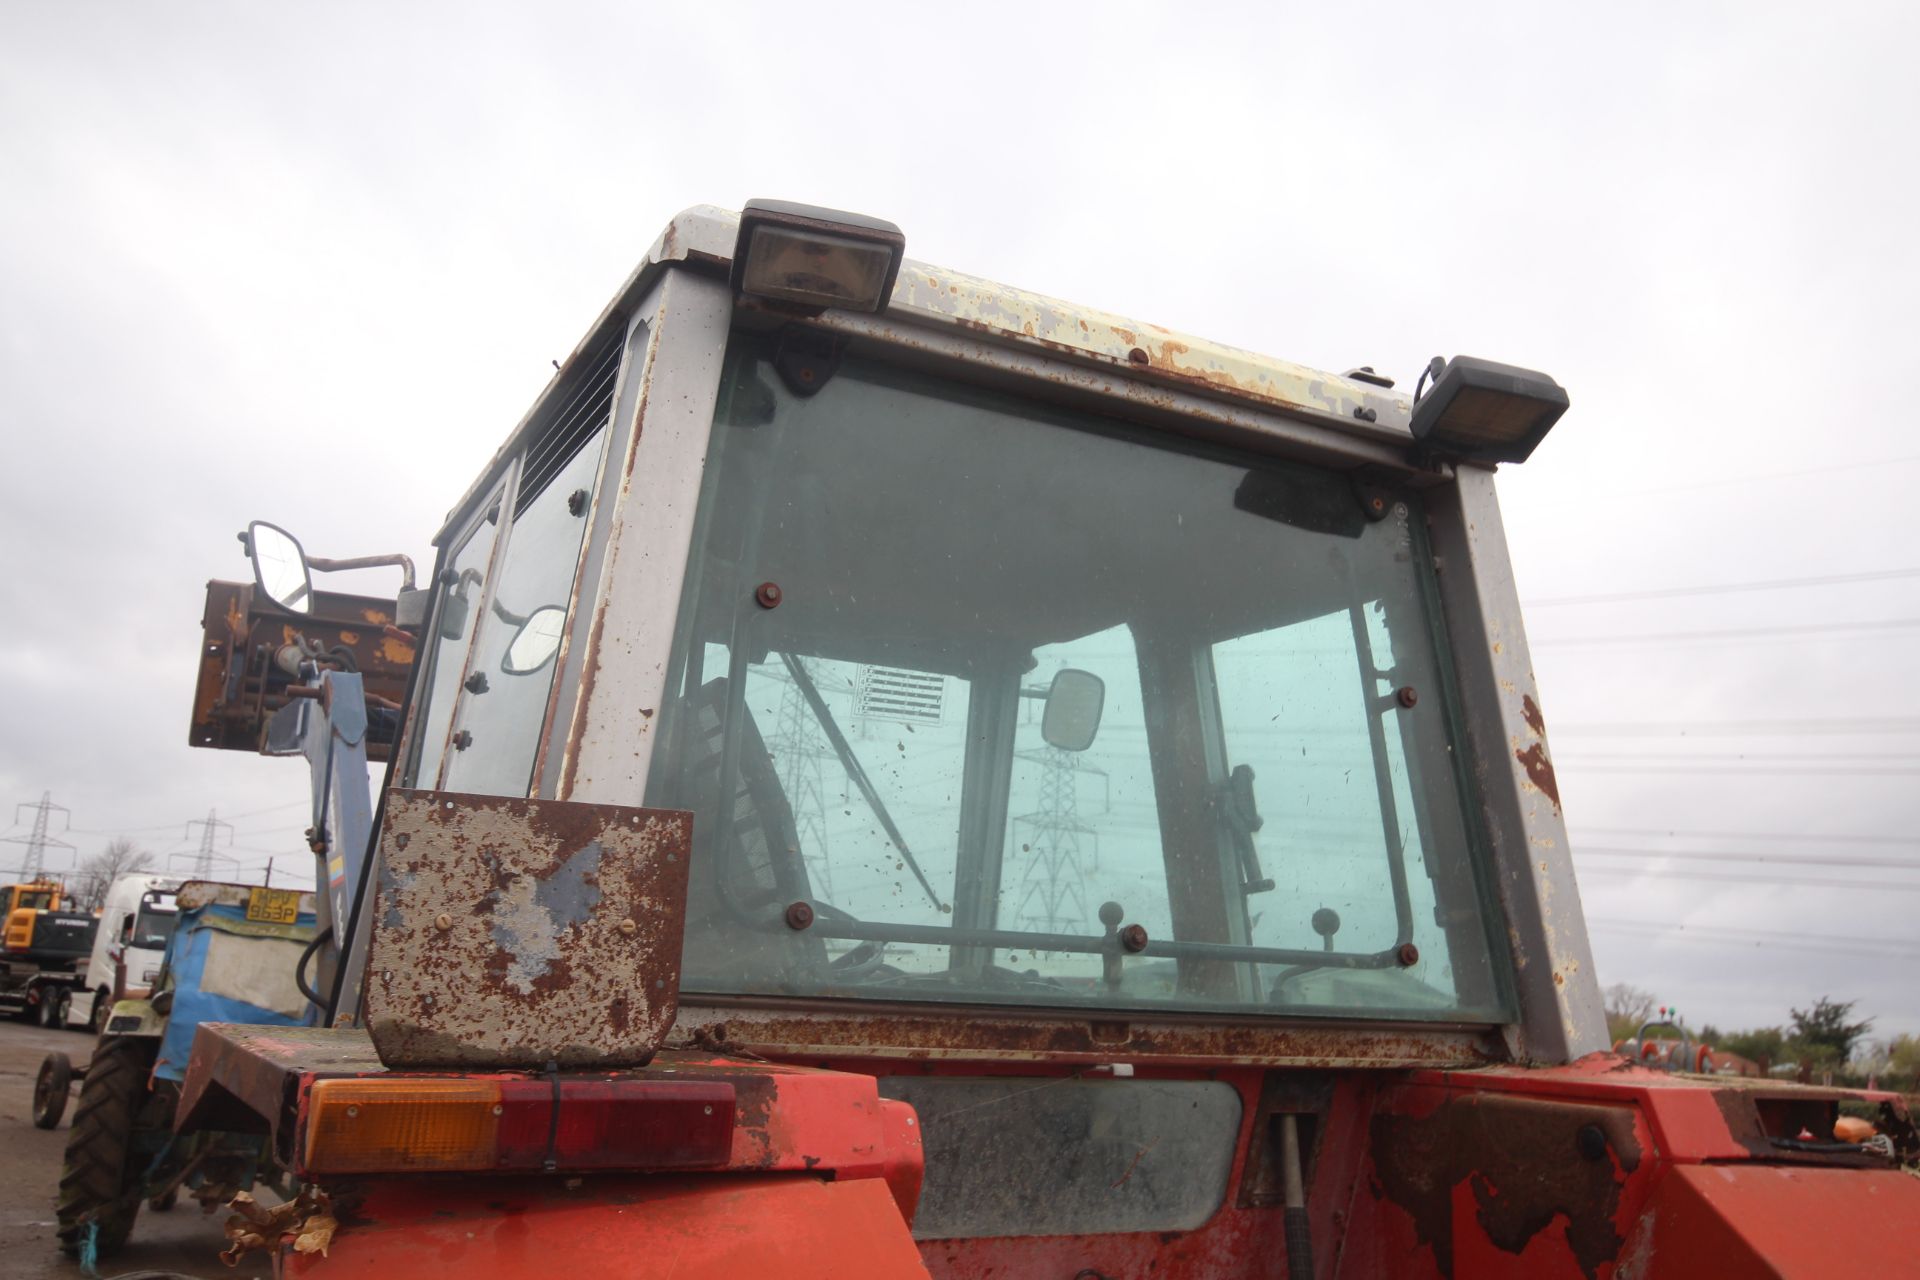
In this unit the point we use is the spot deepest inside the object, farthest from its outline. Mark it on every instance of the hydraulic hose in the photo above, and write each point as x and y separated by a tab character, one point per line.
320	939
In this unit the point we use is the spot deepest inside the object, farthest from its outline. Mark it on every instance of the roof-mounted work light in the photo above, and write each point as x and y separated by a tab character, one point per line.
816	258
1485	411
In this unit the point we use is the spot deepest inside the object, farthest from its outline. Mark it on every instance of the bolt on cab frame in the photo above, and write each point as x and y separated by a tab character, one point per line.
963	782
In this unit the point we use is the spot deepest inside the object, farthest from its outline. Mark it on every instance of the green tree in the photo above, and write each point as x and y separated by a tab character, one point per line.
1764	1045
1825	1031
1903	1061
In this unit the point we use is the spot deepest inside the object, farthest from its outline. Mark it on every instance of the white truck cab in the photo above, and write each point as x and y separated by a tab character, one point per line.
135	922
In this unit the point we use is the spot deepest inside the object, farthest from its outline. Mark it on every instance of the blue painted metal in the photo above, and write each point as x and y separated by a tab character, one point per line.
334	742
196	998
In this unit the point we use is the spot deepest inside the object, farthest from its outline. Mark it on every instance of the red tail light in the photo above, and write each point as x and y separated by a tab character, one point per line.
399	1124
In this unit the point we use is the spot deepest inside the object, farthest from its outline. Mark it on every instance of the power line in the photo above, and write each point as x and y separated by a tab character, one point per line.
301	826
1807	770
1777	475
122	831
1733	633
168	826
1744	728
1752	882
1687	757
278	808
1768	934
1806	948
1722	588
1800	837
203	860
1906	864
1784	943
34	864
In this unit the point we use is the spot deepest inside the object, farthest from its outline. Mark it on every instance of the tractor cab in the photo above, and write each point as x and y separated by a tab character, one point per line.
902	776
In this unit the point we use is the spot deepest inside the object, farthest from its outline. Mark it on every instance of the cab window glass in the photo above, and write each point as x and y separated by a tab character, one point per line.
154	922
846	772
503	702
1330	762
1228	765
1083	832
456	621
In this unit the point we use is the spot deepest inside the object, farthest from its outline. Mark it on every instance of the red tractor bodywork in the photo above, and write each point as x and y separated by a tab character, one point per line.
1593	1170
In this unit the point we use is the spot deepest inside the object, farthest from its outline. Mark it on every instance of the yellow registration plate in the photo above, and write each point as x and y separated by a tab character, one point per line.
273	906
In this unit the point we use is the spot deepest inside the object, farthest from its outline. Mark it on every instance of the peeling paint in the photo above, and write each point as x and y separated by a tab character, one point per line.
512	932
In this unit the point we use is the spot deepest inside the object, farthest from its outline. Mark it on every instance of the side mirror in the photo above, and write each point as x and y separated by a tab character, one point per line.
1072	715
280	567
453	617
535	643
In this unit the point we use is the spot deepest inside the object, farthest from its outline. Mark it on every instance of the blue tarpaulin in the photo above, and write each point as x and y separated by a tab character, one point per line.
226	968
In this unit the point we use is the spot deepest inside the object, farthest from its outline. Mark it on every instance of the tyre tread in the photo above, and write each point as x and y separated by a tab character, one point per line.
94	1176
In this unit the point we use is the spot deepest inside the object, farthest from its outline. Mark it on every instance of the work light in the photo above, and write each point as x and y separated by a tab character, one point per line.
816	258
1486	411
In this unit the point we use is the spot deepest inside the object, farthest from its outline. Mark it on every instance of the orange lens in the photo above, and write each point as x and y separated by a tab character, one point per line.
395	1126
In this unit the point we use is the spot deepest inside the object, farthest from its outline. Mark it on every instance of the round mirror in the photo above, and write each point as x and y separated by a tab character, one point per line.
280	567
535	643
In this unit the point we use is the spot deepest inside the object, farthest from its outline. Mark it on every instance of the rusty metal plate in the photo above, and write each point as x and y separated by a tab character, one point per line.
239	688
514	933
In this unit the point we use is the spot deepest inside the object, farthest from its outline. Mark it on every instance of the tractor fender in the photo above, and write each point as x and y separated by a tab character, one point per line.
795	1226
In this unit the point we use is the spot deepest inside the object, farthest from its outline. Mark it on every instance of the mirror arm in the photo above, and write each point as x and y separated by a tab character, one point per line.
368	562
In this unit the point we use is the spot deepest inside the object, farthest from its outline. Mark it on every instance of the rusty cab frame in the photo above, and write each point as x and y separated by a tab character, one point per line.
662	341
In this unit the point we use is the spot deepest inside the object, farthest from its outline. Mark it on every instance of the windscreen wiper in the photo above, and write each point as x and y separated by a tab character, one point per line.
844	750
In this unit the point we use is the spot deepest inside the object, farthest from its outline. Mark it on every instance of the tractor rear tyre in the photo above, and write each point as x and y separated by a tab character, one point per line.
50	1090
99	1185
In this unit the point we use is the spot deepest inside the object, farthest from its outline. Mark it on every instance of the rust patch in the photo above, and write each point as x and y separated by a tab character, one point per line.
239	686
565	934
1531	710
1521	1158
753	1100
947	1033
591	657
1540	770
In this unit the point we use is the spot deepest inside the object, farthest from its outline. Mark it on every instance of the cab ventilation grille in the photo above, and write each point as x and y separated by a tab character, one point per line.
579	410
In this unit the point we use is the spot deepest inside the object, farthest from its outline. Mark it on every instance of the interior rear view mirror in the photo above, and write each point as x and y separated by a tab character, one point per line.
280	567
1074	703
535	643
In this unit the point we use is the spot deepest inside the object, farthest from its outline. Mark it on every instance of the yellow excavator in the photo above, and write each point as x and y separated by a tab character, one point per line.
42	949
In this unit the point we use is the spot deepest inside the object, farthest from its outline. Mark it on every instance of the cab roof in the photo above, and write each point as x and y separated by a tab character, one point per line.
702	238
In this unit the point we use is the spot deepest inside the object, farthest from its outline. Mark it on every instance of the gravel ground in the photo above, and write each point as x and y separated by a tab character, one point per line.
183	1241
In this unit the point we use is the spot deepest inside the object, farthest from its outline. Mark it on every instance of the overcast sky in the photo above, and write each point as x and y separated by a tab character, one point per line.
310	263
